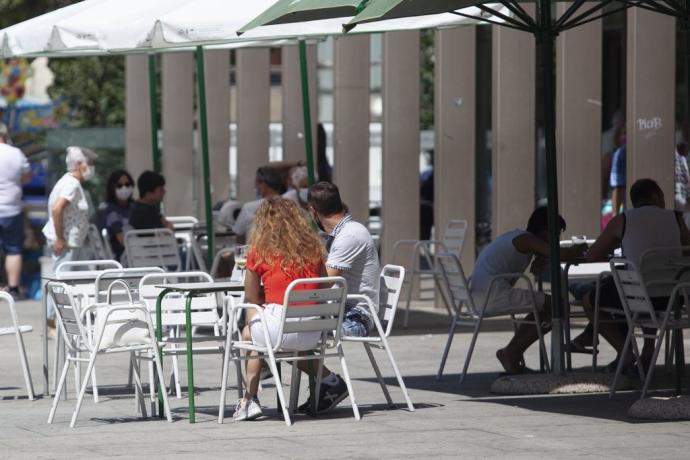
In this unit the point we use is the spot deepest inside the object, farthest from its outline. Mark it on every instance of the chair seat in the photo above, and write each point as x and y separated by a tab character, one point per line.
11	330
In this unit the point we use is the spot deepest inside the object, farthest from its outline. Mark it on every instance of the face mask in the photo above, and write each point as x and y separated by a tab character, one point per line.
123	193
89	172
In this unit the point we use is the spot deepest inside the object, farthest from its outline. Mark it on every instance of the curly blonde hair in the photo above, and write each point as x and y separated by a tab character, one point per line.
281	231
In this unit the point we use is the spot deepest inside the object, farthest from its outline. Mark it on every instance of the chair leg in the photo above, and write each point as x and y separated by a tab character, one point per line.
136	381
595	339
348	382
295	378
542	345
161	381
24	363
378	375
58	390
652	363
56	355
130	373
279	388
446	350
224	379
410	288
398	376
471	349
82	390
619	367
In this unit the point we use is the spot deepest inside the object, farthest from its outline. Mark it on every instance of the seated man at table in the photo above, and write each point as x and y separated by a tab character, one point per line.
145	213
512	252
647	225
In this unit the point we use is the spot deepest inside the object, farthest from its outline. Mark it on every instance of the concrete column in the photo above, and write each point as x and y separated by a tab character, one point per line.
351	123
455	149
253	114
400	139
138	155
217	70
513	129
651	89
293	121
178	133
578	126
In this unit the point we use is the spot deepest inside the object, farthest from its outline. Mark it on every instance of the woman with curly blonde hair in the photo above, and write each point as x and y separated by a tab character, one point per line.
283	247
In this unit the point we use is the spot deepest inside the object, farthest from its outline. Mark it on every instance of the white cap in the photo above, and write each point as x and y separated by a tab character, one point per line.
77	155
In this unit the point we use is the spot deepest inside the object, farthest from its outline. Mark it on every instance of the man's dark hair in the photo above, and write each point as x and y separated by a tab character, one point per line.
272	178
643	192
113	179
324	197
149	181
539	221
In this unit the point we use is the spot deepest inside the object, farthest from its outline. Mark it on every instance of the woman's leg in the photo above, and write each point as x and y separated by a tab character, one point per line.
253	366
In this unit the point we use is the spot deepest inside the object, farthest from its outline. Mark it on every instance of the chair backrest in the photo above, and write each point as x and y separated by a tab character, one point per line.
131	276
94	242
390	286
455	284
68	316
106	244
152	248
182	222
454	236
204	307
631	289
663	268
315	305
63	269
223	255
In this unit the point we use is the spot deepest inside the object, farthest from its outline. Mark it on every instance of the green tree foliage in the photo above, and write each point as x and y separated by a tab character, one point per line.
93	87
427	79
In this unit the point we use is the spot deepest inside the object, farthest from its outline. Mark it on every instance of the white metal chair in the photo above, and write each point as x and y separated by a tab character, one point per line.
305	310
106	244
129	329
17	330
390	285
465	312
453	242
94	241
152	248
640	313
183	226
204	310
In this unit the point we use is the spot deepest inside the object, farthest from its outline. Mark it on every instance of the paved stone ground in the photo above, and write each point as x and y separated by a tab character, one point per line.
450	421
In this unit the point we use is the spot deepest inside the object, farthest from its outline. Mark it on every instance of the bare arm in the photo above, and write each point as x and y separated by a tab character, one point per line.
58	212
252	288
532	245
609	240
120	237
333	271
166	223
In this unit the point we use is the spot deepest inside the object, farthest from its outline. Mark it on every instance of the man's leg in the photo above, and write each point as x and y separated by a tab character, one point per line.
13	268
612	332
526	335
13	243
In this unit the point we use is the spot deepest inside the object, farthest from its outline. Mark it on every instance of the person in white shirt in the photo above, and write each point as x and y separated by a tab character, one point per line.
14	171
68	210
512	252
269	183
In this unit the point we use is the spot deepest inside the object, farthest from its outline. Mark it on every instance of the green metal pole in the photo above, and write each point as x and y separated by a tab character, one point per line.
546	38
203	127
306	110
153	105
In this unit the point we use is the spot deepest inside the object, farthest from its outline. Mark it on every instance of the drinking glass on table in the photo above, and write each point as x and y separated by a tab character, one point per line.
240	260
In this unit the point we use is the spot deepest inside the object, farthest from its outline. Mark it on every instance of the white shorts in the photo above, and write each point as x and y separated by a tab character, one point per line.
298	341
505	301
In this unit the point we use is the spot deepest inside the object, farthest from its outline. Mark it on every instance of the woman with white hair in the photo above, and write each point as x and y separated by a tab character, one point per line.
68	211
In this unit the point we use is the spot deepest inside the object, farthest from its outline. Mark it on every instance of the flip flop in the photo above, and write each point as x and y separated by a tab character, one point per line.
576	347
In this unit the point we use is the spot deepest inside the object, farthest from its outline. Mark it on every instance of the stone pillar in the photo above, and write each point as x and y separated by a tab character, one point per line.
293	116
217	70
178	133
253	116
351	122
400	140
513	129
650	118
455	148
578	126
138	155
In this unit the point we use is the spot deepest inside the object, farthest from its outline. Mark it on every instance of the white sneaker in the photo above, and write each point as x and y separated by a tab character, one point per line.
247	410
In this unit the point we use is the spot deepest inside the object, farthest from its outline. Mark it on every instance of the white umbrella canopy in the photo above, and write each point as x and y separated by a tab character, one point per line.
31	36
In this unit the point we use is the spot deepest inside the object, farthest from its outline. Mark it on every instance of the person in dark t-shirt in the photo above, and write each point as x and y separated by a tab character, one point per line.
145	213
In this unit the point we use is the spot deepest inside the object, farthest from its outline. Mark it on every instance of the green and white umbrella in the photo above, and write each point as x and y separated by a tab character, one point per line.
544	25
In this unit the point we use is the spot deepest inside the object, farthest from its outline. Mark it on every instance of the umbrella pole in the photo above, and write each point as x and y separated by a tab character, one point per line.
153	109
306	110
545	40
203	129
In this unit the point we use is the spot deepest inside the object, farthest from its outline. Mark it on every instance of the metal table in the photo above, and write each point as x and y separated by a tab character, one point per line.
190	290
